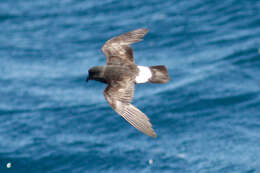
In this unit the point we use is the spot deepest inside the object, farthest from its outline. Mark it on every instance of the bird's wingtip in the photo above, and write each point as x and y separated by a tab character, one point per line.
154	135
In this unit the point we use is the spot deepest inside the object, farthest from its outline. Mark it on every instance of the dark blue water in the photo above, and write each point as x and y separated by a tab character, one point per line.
207	118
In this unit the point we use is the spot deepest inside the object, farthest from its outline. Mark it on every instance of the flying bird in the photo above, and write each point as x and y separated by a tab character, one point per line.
121	74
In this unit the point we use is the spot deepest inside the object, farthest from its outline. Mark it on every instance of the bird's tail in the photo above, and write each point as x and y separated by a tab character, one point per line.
159	74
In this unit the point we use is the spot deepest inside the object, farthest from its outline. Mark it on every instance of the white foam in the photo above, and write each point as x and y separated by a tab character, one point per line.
8	165
144	74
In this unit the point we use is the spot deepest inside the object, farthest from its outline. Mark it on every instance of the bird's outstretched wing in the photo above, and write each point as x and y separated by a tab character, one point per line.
120	98
117	49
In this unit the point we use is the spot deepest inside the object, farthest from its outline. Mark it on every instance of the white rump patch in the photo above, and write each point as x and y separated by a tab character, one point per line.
144	74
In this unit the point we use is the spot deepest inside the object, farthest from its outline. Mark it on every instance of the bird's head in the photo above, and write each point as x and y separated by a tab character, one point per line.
96	73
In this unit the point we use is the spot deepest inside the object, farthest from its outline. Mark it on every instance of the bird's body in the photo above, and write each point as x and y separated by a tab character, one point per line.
121	74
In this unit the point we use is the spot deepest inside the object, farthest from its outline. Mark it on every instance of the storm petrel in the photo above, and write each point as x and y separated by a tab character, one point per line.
121	74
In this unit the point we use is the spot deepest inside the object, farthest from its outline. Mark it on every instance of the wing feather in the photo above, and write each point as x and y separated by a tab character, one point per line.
120	100
118	48
138	119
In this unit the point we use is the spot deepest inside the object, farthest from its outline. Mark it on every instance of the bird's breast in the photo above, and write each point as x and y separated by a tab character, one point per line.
118	73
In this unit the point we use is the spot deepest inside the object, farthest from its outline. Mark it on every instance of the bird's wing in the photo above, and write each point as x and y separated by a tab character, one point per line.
120	99
117	49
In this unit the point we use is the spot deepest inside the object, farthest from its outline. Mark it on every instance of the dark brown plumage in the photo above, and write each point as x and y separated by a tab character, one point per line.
121	74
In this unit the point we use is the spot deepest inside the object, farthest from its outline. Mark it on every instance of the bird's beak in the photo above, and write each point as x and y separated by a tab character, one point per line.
87	79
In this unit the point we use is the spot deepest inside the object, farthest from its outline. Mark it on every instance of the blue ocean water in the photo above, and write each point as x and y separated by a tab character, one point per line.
207	118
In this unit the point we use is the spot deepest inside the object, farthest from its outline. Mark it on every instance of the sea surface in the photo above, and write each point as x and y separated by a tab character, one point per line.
207	117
